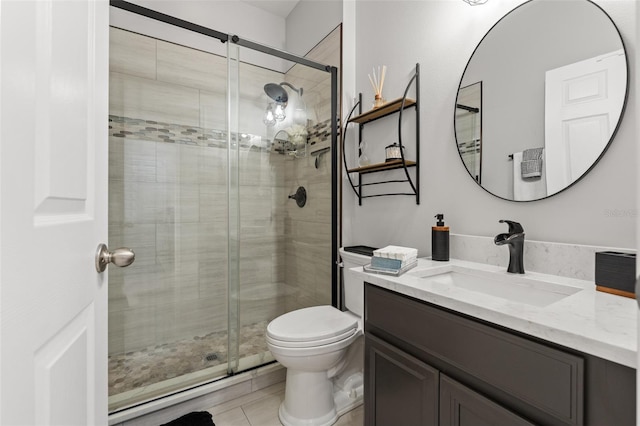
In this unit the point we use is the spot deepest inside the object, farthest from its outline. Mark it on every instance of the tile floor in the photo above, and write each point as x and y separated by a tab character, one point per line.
260	408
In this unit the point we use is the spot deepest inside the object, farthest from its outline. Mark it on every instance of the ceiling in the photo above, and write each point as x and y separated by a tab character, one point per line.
277	7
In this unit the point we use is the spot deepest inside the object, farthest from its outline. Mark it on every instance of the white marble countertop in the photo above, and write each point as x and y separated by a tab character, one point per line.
590	321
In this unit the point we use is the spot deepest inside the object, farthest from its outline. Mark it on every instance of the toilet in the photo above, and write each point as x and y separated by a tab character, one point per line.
322	349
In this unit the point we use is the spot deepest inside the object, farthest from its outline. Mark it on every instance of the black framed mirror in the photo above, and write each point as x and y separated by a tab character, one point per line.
541	98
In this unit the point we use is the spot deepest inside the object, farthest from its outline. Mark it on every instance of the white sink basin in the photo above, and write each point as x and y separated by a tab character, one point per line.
513	287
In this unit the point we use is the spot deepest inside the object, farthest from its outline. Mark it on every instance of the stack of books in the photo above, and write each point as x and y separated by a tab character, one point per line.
392	260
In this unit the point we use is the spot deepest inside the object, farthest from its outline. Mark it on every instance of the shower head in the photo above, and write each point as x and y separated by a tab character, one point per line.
276	92
277	113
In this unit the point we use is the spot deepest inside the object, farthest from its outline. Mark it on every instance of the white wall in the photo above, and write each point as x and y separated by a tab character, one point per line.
441	35
349	93
309	22
226	16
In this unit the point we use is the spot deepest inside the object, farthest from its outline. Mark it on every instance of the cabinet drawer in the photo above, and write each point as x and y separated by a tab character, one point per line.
542	377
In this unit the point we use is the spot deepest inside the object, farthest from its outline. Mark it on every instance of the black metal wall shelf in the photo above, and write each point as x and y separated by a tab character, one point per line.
386	109
389	165
392	107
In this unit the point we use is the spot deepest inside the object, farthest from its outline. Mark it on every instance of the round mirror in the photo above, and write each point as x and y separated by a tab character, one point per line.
541	98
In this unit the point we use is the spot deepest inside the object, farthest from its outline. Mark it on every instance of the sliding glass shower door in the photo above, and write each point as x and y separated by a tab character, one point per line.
282	247
199	187
168	201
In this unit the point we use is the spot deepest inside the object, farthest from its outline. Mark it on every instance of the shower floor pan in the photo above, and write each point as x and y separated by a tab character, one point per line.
169	361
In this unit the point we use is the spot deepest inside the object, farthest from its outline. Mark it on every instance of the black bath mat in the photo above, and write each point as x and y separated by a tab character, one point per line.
196	418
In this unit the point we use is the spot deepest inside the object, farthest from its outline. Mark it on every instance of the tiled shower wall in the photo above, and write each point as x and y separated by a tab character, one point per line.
168	196
308	229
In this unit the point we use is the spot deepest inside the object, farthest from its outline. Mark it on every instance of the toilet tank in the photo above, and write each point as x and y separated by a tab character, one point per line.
353	286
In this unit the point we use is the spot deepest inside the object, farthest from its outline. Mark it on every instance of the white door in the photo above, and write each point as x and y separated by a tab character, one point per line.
583	102
638	234
53	211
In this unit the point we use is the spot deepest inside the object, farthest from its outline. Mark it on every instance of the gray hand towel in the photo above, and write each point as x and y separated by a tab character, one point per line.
532	154
531	165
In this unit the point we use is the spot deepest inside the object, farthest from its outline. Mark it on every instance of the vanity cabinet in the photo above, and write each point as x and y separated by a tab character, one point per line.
402	165
461	406
405	388
425	365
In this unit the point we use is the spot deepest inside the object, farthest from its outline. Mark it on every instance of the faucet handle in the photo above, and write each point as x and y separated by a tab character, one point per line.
514	227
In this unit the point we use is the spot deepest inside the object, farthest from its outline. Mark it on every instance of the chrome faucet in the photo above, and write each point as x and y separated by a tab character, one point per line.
515	240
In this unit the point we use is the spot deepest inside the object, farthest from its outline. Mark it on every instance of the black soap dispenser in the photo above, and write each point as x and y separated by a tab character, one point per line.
440	239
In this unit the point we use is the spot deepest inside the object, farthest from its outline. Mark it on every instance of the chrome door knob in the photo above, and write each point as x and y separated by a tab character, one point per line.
120	257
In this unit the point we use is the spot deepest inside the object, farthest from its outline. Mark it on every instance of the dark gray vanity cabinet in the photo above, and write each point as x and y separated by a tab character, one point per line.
461	406
405	388
425	365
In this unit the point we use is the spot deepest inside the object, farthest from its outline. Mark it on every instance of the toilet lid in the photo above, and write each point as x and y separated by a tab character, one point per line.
317	323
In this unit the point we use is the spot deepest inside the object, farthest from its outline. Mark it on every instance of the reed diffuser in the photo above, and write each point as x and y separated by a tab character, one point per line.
377	82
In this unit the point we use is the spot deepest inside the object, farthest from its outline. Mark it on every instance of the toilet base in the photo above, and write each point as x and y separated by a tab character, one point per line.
308	399
344	404
287	420
312	400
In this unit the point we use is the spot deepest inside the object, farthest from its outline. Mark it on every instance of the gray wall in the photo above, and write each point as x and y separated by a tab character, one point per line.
309	22
441	35
226	16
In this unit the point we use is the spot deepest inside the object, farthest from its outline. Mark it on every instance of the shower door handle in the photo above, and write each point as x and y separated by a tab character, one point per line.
120	257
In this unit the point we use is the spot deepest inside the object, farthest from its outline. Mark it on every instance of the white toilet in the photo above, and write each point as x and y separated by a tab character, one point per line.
322	350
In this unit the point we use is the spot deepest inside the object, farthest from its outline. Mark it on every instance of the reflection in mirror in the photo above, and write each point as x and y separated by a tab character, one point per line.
549	81
469	128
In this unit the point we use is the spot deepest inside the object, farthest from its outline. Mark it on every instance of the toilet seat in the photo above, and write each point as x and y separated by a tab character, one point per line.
311	343
309	327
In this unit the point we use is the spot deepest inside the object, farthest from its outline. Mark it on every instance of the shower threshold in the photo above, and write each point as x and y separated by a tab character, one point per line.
203	397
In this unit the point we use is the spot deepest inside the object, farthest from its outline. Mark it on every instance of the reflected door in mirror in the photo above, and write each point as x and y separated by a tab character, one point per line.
582	104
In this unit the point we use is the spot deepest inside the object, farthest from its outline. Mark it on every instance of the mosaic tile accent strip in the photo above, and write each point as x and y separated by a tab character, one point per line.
320	132
470	147
155	131
158	363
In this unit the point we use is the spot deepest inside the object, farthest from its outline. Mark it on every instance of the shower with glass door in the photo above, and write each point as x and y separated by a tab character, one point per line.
199	188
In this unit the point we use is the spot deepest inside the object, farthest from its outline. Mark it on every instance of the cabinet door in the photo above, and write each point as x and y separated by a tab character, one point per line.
400	390
460	406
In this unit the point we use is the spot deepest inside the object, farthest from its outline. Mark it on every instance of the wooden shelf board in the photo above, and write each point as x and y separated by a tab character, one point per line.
386	109
389	165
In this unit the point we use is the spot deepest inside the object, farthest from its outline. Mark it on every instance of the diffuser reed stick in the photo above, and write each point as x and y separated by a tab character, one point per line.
377	82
